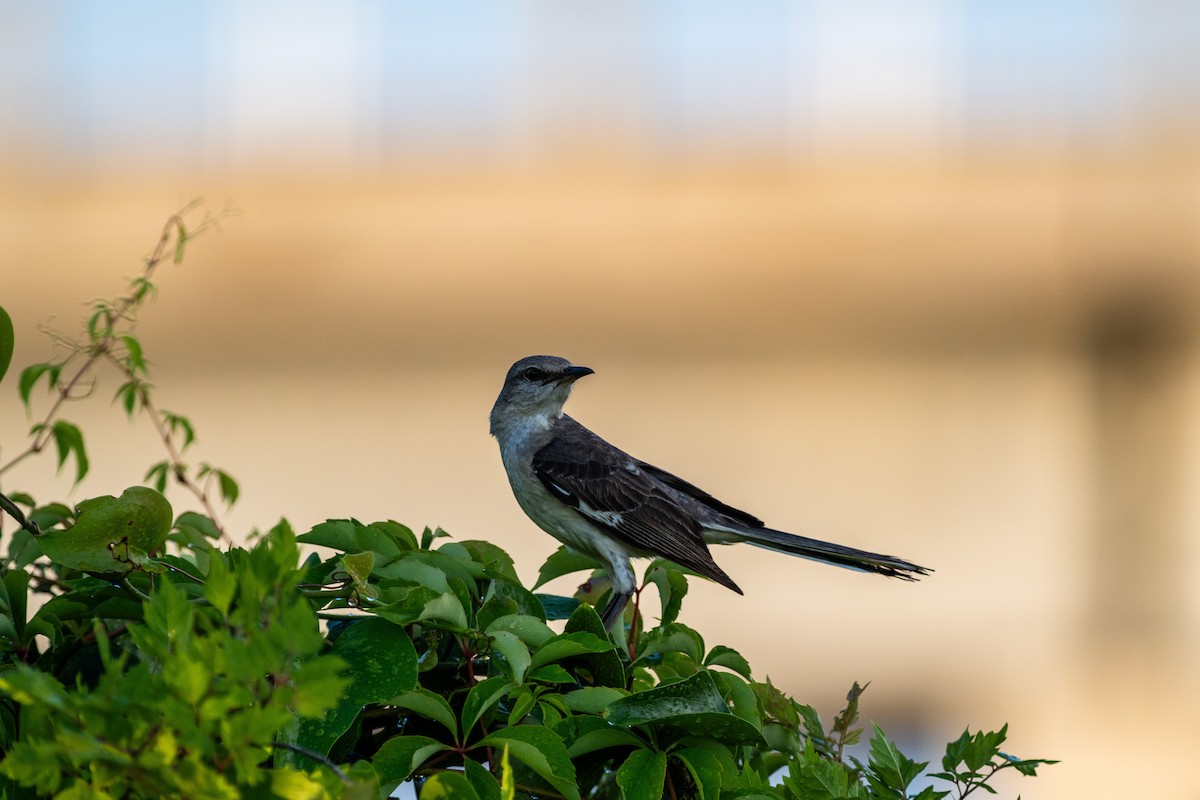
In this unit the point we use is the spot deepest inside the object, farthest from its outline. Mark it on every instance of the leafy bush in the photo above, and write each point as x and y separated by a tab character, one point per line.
142	657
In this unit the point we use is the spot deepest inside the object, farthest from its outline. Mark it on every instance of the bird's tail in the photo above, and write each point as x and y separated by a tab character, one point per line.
830	553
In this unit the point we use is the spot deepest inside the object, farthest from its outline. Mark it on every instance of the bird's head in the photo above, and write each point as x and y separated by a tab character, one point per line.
534	391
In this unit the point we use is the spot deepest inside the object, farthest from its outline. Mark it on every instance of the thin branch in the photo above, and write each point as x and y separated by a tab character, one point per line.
10	508
44	428
304	751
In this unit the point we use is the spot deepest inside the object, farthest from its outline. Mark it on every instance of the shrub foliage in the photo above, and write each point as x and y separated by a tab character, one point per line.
142	656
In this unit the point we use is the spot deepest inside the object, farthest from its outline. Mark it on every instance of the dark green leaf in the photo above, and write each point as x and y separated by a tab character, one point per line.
399	756
484	782
592	699
557	607
428	704
68	440
697	694
158	474
7	341
567	645
551	673
739	696
381	663
642	775
540	749
704	769
563	562
605	668
892	768
351	536
672	587
482	696
722	656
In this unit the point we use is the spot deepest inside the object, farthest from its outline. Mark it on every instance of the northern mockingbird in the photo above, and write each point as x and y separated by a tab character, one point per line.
599	500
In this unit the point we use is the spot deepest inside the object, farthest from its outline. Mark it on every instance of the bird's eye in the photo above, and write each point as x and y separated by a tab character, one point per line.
533	374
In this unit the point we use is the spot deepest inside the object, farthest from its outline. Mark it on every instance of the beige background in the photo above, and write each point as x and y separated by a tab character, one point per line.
910	312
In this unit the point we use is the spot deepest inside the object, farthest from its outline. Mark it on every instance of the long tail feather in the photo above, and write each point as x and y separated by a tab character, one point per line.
830	553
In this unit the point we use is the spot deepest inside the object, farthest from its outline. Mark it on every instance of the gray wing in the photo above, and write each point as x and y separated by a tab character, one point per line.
623	497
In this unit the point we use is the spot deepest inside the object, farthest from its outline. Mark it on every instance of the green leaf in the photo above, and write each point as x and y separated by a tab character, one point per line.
514	651
7	341
672	587
557	607
228	486
129	395
567	645
705	770
722	656
31	374
540	749
482	781
358	566
178	424
491	556
448	786
445	608
642	775
592	699
740	697
16	601
133	353
698	694
531	630
220	584
352	536
205	528
381	663
691	707
673	638
551	673
68	440
605	668
112	534
428	704
400	756
891	767
157	475
482	696
563	562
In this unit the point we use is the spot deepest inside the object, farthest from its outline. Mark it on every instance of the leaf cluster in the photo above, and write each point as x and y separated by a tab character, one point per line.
139	659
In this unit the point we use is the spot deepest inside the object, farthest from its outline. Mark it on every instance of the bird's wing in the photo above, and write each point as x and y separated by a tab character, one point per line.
614	492
701	496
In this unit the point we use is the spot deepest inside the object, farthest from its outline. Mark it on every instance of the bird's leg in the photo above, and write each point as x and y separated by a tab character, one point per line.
615	609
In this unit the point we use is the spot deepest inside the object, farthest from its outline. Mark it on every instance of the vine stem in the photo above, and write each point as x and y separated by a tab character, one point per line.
304	751
44	431
178	468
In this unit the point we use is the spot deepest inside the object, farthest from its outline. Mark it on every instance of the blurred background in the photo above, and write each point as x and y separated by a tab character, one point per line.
917	277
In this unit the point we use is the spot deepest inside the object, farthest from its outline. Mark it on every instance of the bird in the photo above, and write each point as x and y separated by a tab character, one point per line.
598	500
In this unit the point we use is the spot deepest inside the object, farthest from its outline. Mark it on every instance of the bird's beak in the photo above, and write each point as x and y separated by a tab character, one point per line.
572	374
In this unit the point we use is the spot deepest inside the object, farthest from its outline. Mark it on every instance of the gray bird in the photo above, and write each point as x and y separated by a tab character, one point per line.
598	500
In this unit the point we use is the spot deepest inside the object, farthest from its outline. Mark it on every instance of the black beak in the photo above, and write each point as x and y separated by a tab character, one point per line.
571	374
